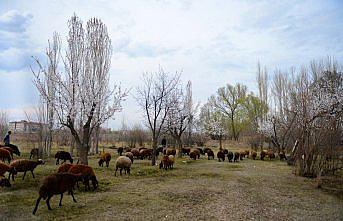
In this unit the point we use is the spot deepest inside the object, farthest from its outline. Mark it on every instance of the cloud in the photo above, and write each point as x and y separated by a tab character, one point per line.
14	21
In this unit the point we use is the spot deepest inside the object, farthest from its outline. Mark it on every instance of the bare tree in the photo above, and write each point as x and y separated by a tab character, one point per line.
84	87
181	114
3	123
154	97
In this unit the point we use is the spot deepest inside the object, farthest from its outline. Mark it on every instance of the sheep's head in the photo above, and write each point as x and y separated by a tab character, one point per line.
40	161
71	160
95	183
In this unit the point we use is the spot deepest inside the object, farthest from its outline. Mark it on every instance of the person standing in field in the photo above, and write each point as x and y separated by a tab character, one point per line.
7	138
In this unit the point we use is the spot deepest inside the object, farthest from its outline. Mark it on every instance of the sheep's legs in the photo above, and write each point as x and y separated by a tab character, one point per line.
48	202
72	194
60	204
115	173
24	175
32	174
36	207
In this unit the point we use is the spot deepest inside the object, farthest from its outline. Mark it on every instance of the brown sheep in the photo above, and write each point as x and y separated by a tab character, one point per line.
56	184
5	155
194	154
167	162
4	182
87	174
7	168
210	153
64	167
24	165
263	154
206	149
34	152
170	151
241	155
271	155
9	149
253	155
247	152
135	153
63	155
145	153
105	157
129	155
185	150
221	155
230	156
236	157
123	162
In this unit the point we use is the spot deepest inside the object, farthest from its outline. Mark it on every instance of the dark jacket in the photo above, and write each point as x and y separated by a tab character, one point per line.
7	139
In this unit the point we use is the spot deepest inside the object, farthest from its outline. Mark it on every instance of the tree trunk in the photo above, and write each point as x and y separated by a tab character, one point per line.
179	144
154	148
83	154
220	142
97	133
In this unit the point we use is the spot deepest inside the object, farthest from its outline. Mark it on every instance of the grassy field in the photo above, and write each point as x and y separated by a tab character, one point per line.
194	190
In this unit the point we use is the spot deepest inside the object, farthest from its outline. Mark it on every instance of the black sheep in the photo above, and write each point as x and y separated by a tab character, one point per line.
236	157
120	151
63	155
55	184
221	155
210	153
230	156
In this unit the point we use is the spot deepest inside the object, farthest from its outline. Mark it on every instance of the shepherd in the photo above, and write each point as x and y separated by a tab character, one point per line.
7	138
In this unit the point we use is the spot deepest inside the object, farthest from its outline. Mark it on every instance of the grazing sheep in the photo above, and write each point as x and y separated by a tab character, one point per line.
63	155
56	184
120	151
129	155
135	153
145	153
87	174
271	155
7	168
241	155
206	149
236	157
167	162
14	148
194	154
253	155
210	153
201	150
247	152
9	149
105	157
185	151
5	155
64	167
263	154
123	162
169	151
24	165
282	155
226	151
230	156
34	152
221	155
4	182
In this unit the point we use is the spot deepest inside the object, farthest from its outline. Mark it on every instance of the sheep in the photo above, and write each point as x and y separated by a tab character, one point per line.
4	182
221	155
241	155
63	155
247	152
236	157
24	165
129	155
55	184
194	154
5	155
167	162
87	174
135	153
230	156
185	150
142	148
169	151
206	149
271	155
9	149
253	155
226	151
7	168
14	148
210	153
34	152
105	157
64	167
145	153
123	162
201	150
282	155
120	151
263	154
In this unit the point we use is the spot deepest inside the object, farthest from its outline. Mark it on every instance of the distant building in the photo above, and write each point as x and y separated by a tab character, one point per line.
24	126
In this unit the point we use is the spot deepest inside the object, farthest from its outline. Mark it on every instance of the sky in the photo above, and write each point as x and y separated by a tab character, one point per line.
212	42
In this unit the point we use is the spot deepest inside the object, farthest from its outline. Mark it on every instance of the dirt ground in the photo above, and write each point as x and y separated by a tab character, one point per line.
193	190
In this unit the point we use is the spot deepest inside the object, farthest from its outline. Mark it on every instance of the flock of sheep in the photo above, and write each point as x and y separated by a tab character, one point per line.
68	174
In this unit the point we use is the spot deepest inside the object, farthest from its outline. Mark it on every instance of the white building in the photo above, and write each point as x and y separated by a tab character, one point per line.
24	126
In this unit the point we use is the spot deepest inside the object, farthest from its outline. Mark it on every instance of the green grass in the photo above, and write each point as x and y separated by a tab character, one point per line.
193	190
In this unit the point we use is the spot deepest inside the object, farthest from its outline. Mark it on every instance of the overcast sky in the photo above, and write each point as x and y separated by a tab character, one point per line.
211	42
